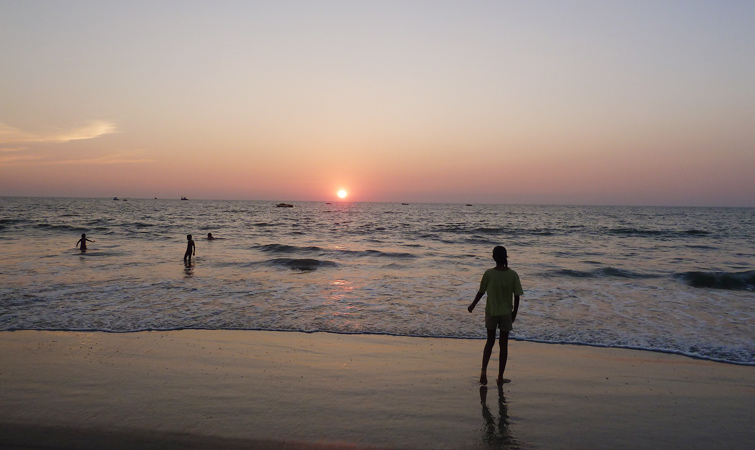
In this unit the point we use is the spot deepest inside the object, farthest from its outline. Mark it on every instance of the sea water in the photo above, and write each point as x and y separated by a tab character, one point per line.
679	280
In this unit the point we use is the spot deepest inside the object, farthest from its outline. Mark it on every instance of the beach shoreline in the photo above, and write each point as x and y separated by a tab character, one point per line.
264	389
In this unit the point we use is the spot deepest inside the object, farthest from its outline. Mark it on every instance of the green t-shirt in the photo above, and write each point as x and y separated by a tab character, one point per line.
501	286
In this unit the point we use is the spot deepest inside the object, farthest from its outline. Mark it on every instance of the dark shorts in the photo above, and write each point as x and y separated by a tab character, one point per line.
502	322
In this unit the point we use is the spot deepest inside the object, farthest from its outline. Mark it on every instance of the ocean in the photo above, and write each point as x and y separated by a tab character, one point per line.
667	279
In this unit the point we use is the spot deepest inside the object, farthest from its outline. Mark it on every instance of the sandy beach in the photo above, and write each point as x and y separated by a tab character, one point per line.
259	389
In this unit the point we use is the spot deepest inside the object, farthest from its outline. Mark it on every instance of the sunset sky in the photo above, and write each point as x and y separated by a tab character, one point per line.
568	102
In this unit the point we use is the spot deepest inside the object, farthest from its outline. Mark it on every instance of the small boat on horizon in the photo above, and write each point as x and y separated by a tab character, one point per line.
184	198
284	205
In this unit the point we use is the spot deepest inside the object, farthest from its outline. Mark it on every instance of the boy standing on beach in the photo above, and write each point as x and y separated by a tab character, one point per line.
501	284
190	250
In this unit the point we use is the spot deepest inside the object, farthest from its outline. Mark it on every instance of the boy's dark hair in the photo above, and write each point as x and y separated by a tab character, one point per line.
188	236
500	256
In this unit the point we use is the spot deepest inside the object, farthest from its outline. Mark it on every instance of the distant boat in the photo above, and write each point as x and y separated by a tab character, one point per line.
125	199
115	198
404	203
469	204
184	198
284	205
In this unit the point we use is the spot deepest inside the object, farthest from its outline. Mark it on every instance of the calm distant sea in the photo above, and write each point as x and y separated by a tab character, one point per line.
679	280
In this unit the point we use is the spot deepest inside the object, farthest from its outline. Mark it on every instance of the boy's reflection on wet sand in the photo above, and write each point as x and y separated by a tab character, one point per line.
497	435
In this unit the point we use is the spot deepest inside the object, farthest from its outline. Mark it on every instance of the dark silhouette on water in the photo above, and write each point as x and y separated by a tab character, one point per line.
83	242
501	284
210	237
497	435
190	250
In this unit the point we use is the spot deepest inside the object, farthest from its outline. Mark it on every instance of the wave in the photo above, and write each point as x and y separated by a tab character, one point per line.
282	248
380	254
138	225
656	233
48	226
479	240
736	281
600	273
465	229
712	280
291	249
514	231
94	222
12	221
303	264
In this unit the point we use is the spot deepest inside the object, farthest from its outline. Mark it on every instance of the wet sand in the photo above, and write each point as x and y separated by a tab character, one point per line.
258	389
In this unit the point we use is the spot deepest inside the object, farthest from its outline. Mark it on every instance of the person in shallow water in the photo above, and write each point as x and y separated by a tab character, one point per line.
190	250
83	242
501	284
209	237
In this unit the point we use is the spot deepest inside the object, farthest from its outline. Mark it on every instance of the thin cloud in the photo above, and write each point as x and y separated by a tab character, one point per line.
6	160
116	159
12	135
15	159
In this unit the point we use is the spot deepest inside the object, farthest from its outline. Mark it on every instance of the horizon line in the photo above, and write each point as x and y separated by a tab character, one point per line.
341	201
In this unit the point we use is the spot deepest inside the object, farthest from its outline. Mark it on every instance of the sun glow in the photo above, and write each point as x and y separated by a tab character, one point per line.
342	193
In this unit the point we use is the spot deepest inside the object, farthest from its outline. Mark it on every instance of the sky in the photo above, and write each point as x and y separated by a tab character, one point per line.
537	102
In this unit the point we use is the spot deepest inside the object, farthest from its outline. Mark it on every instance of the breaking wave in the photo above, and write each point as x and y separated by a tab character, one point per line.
302	264
737	281
293	249
600	273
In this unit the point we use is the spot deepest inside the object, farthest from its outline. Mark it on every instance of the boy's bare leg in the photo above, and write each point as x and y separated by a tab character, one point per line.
489	344
504	356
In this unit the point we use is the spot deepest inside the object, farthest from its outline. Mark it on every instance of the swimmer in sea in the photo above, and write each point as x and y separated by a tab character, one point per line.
209	237
83	242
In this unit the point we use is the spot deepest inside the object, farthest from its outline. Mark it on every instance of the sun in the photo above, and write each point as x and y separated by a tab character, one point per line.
342	193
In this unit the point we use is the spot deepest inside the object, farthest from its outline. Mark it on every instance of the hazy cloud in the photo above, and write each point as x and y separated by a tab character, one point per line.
9	134
112	159
24	159
16	159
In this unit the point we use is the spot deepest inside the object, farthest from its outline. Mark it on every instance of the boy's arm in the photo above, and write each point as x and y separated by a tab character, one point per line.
476	299
193	248
516	308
